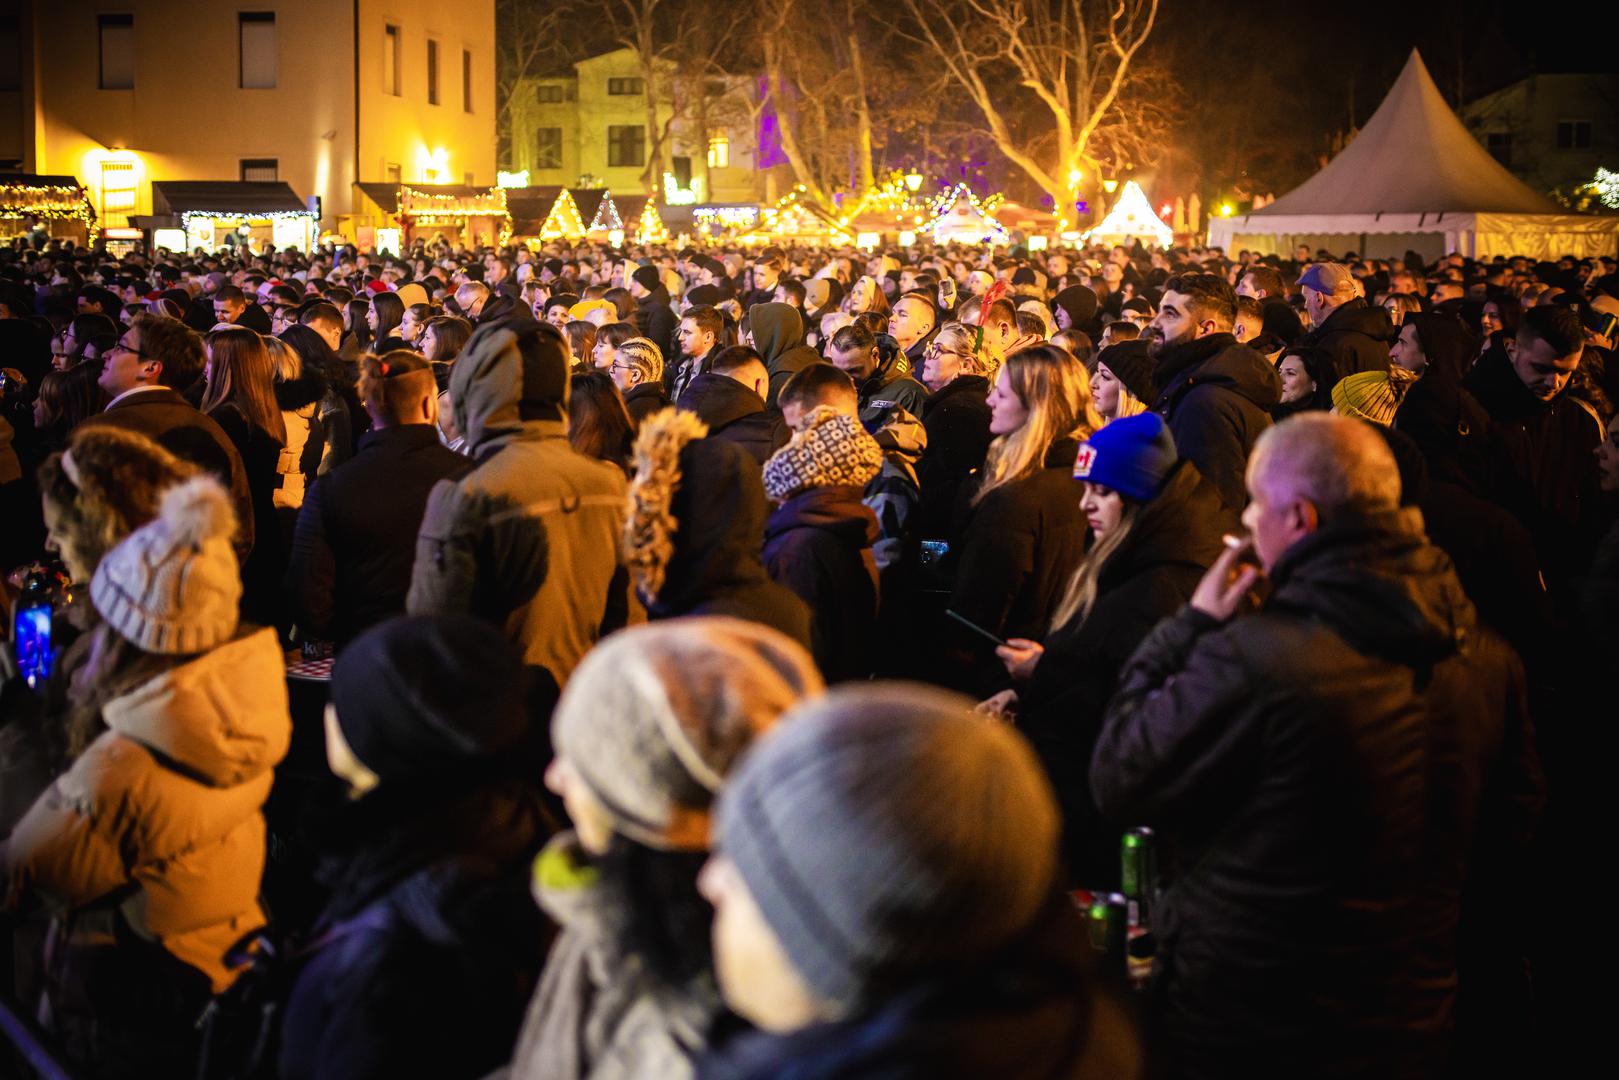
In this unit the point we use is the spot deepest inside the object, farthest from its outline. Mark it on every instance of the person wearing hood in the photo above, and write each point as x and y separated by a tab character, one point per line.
1214	394
729	399
818	541
1544	437
694	537
1286	757
1342	322
778	334
528	538
1019	534
653	313
887	903
645	736
822	296
426	952
151	846
1155	526
882	383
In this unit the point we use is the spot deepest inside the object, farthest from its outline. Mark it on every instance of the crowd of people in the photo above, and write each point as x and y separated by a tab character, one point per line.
741	659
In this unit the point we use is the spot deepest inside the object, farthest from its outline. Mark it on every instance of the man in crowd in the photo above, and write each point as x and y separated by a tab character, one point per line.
1355	333
729	398
1325	772
698	338
911	323
778	334
653	314
881	385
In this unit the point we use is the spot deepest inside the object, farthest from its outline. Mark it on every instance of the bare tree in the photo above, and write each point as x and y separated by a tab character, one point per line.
528	39
1068	62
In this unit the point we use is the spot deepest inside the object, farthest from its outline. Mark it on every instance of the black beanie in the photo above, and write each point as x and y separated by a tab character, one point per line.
420	694
705	294
1023	275
647	277
1080	304
1130	364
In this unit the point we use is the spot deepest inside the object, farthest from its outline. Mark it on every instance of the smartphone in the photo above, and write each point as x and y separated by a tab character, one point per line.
974	627
933	552
32	639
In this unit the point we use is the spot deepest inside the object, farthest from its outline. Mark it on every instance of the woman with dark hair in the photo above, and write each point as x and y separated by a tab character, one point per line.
342	421
414	322
1435	345
651	722
356	316
383	318
1308	375
66	398
92	331
1500	315
582	343
240	398
598	424
608	339
443	338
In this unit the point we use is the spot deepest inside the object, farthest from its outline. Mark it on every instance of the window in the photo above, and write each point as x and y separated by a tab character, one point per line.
626	145
10	53
260	169
548	94
624	87
466	80
719	150
256	37
1499	144
548	148
680	164
117	51
393	173
390	60
1574	135
432	72
117	187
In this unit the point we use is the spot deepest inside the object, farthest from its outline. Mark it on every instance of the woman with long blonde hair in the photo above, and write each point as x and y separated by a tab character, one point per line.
240	398
1156	525
1019	535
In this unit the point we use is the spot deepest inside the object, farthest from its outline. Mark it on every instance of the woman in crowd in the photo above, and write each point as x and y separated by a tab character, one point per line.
443	338
650	724
84	333
1434	345
866	295
598	424
341	418
298	393
637	371
430	943
1155	527
1308	375
609	338
383	318
240	398
356	331
66	398
1123	381
413	322
1400	306
582	343
152	844
1019	534
956	419
1500	316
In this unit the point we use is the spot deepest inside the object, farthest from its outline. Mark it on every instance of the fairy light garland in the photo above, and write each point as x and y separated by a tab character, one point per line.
649	228
563	221
942	206
445	210
607	218
52	203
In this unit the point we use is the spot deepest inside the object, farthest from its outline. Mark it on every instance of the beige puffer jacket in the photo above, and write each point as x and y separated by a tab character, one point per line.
168	801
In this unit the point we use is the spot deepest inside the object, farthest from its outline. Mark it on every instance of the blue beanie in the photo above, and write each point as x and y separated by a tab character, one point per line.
1131	455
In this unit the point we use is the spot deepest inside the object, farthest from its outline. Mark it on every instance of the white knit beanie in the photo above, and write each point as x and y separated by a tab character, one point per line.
172	586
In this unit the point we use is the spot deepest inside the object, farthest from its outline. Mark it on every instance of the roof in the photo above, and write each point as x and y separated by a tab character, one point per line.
588	200
386	194
530	206
225	196
1414	156
34	180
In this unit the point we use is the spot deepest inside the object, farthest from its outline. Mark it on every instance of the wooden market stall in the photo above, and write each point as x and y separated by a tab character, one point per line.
58	203
463	215
191	214
642	223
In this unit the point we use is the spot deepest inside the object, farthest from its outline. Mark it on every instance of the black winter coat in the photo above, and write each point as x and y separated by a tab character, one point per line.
657	321
1324	775
735	414
1175	538
1013	555
355	541
645	399
1038	1009
1216	397
956	419
887	388
1357	335
262	570
818	544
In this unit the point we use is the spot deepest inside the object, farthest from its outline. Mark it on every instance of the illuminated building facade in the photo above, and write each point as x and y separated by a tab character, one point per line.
317	94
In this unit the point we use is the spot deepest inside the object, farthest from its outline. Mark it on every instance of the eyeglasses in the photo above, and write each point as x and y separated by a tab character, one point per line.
123	346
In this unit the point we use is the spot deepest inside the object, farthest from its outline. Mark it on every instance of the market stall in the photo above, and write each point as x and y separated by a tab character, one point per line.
58	203
1129	219
395	216
600	215
958	216
208	214
545	213
642	222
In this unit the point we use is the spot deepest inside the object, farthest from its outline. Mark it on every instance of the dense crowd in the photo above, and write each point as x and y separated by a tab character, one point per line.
750	662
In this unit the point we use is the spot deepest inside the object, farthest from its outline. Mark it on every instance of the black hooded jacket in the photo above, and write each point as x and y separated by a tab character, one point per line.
717	567
1357	335
1324	776
657	321
892	384
1216	397
1175	538
735	414
819	544
956	419
778	334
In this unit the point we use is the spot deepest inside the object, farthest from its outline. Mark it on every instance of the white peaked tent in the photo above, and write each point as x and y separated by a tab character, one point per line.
1416	178
1131	218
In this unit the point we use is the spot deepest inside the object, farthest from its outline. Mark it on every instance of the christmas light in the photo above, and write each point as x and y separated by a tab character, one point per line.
949	223
51	203
563	222
1607	185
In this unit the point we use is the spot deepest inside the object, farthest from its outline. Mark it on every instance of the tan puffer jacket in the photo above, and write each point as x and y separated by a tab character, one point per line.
168	802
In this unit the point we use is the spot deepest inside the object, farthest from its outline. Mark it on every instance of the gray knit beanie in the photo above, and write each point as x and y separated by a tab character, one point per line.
172	586
886	832
654	716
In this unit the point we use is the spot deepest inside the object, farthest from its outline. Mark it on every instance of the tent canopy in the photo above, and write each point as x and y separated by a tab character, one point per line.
1131	218
1416	169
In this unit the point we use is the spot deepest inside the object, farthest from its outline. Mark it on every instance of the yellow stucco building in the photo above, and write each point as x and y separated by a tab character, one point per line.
317	94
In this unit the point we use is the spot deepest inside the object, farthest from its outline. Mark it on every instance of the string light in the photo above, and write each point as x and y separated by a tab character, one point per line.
649	227
564	221
1607	185
52	202
939	224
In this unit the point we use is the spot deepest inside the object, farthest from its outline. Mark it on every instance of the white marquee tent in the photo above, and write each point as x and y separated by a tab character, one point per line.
1131	218
1416	178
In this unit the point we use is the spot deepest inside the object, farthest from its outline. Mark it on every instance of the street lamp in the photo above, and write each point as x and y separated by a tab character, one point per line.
914	182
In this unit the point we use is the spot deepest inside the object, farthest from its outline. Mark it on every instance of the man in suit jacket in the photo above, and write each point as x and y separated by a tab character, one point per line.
141	374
